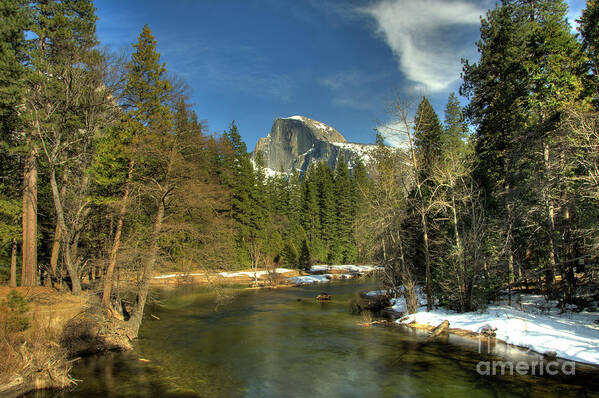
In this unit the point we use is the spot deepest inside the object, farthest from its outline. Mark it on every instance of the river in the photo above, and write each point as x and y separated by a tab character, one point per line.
283	343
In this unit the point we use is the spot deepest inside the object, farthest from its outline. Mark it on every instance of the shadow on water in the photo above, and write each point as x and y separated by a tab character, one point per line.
283	343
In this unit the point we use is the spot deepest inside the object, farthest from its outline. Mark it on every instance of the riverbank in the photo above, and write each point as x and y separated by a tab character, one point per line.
262	277
32	356
532	323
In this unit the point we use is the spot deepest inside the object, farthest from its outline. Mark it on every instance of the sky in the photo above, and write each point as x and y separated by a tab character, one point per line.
341	62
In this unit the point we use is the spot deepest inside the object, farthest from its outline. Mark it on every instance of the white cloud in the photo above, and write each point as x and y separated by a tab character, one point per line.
394	134
427	37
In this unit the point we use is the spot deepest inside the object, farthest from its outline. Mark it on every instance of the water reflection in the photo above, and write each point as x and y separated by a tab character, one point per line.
269	344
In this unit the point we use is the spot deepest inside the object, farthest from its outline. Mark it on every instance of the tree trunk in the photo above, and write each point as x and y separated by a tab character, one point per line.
137	316
71	268
55	250
57	236
109	275
29	245
427	259
464	285
13	264
553	257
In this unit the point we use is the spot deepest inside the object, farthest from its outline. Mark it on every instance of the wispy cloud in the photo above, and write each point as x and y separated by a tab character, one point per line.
394	134
427	37
350	88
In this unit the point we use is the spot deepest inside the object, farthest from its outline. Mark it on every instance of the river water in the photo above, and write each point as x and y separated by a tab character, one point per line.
283	343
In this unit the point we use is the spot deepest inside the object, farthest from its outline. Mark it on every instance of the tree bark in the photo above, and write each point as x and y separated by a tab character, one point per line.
13	264
70	266
109	275
55	250
29	245
57	236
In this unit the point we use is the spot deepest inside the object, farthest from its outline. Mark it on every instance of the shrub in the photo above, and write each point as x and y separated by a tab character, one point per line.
13	310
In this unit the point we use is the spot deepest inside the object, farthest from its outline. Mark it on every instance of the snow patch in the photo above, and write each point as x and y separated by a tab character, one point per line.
571	335
360	269
364	151
309	279
168	276
253	274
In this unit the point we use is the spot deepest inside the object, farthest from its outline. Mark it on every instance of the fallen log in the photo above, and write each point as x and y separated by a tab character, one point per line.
442	327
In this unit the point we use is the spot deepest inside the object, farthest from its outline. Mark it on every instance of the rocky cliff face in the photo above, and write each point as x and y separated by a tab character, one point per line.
297	141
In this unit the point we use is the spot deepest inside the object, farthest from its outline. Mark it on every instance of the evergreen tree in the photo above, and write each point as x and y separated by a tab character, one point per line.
344	247
290	254
428	134
310	209
12	92
455	132
146	97
537	67
589	29
12	55
305	258
248	200
326	204
64	70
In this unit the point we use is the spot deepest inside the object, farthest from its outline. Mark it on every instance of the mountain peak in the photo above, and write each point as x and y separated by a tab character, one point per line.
296	141
323	131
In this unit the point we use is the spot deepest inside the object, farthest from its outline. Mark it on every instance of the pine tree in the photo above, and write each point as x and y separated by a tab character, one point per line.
344	247
310	211
12	54
248	201
455	132
305	258
428	134
146	97
290	254
537	67
12	92
326	204
63	74
589	29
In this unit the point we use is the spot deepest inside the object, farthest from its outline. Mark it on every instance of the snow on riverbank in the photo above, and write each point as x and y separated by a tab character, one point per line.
252	274
532	322
308	279
360	269
168	276
570	335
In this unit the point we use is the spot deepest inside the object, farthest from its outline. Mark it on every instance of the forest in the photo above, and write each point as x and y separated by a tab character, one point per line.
107	171
110	176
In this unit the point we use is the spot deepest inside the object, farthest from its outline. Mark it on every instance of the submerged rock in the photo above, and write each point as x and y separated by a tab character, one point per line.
324	297
374	304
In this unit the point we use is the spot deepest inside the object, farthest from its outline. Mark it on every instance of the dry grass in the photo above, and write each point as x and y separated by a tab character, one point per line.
31	358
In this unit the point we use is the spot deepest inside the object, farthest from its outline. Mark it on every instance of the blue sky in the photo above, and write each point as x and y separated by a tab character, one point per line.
340	62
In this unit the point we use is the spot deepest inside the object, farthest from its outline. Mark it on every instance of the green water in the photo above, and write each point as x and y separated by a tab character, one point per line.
266	343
